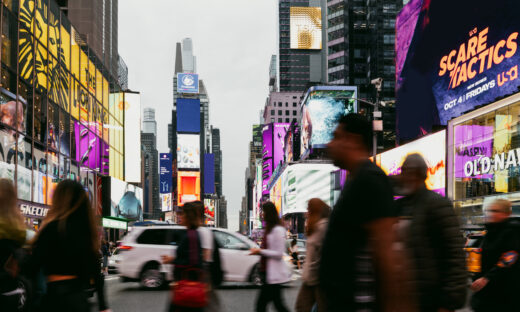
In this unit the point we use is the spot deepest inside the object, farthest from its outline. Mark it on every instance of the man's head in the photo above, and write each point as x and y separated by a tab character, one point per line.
499	211
413	174
352	141
11	113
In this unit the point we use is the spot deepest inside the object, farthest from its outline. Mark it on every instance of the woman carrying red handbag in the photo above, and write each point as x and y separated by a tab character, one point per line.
190	289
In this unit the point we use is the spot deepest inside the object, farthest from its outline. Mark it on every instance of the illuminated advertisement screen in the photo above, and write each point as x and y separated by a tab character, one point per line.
279	132
188	184
472	143
187	83
432	148
188	151
267	157
132	117
126	200
88	147
165	173
188	115
321	109
305	28
451	68
302	182
276	195
166	202
209	211
209	173
257	135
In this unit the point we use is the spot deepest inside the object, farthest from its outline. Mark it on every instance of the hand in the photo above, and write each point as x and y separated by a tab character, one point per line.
167	259
479	284
254	251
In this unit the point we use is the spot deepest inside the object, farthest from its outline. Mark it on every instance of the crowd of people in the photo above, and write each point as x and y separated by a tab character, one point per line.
369	253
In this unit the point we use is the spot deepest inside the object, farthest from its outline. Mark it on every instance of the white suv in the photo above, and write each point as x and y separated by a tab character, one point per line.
139	257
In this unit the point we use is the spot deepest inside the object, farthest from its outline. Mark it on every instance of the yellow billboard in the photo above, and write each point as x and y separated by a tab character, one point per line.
305	28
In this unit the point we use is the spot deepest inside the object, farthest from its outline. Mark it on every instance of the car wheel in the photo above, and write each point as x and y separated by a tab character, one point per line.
151	277
256	277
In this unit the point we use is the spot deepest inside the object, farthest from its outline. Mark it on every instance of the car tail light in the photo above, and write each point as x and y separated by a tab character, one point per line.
124	247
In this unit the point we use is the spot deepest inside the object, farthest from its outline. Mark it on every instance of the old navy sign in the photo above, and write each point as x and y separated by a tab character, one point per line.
486	165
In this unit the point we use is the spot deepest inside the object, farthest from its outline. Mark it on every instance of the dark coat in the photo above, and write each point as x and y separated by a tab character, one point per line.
500	265
435	244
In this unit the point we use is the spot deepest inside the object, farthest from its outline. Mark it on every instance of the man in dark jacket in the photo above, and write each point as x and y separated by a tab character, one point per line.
496	288
433	241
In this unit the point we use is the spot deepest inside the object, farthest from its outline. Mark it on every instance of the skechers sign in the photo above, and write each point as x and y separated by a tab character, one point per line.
487	165
187	83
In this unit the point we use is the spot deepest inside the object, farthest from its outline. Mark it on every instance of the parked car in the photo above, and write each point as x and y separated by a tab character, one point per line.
473	249
112	261
139	256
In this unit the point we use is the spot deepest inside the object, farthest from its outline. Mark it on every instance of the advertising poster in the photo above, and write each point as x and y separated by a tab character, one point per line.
132	148
302	182
276	195
454	67
209	211
126	200
166	202
187	83
321	109
472	143
188	184
305	28
188	151
165	173
188	115
88	147
267	157
432	148
257	135
280	130
209	173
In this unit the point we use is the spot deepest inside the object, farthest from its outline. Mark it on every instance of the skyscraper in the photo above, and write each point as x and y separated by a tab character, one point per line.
215	149
302	44
149	143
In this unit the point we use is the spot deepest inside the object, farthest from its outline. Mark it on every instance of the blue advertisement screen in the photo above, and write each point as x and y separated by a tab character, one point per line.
209	173
165	173
188	115
452	68
187	83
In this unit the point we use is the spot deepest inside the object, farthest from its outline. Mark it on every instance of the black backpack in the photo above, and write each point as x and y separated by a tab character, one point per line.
215	267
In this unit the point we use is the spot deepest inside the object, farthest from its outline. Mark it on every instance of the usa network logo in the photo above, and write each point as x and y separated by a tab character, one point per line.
187	83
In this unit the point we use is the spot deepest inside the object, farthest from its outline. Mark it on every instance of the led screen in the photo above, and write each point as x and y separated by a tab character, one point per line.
432	148
126	200
88	147
267	157
454	67
188	115
257	135
321	109
209	211
302	182
166	202
305	28
132	117
165	173
187	83
276	195
279	132
188	184
188	151
209	173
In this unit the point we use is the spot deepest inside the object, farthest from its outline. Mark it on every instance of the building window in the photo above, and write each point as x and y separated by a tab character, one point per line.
279	104
279	113
280	119
272	119
294	113
287	120
286	113
294	104
286	104
272	112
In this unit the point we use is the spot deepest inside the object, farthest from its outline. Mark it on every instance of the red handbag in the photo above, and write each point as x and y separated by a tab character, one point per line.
190	293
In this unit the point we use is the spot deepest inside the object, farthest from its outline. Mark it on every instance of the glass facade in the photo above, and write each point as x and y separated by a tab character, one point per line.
61	114
484	158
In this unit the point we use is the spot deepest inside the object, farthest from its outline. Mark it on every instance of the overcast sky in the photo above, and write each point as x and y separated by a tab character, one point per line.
233	41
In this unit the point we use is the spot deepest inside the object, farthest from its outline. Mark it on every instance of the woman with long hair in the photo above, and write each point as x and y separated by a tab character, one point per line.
12	238
272	264
310	294
67	250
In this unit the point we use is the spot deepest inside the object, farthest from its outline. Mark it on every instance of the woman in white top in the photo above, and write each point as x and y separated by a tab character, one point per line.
272	264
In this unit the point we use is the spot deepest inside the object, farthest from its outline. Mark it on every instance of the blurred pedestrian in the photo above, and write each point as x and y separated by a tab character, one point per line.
496	287
67	249
310	293
363	276
432	237
272	265
12	238
293	251
105	253
188	265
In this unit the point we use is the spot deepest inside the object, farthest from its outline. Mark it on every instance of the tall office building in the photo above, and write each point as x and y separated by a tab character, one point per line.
149	143
215	149
222	220
283	107
122	73
189	61
361	39
96	21
302	44
273	74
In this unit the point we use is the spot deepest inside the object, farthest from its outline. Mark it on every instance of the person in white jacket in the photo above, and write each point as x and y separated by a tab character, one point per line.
272	263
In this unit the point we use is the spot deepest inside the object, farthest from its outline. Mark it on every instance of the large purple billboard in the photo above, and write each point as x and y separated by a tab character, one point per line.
267	157
472	143
88	148
452	68
279	132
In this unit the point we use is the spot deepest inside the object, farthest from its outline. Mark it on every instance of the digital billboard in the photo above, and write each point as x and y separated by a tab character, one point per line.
209	173
188	115
165	173
302	182
166	202
455	67
279	132
87	146
257	135
473	143
305	28
188	186
321	109
292	144
267	157
187	83
132	117
188	151
209	211
432	148
126	200
275	195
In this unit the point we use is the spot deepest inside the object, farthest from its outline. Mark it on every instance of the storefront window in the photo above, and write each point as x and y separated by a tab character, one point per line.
24	171
39	170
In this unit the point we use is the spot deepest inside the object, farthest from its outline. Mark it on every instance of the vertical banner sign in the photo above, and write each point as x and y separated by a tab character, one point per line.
165	173
209	173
